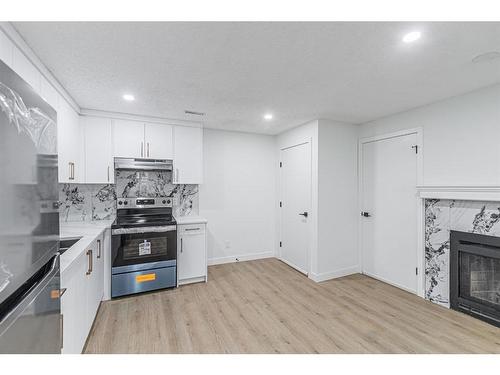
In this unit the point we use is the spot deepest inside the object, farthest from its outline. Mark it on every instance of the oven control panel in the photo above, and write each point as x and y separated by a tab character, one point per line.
144	202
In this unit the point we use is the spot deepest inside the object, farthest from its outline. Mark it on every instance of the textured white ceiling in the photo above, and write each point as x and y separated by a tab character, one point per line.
235	72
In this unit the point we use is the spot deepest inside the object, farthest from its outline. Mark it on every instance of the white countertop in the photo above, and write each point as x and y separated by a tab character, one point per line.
89	231
190	220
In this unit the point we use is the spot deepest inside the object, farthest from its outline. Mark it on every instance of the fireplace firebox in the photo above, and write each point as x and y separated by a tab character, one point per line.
475	275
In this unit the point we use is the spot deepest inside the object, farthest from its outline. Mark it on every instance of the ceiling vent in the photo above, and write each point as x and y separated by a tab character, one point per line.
487	56
194	113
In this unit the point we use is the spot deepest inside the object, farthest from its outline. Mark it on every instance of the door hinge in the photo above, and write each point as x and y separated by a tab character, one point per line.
416	148
280	243
281	205
281	164
416	271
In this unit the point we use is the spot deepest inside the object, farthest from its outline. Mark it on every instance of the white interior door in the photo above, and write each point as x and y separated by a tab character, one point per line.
296	203
389	234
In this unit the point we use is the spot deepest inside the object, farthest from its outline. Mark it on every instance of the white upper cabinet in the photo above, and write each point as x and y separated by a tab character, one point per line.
6	49
98	154
128	139
158	140
22	66
69	144
188	155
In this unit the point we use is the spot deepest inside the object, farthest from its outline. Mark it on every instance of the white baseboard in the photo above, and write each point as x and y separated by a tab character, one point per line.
240	258
390	282
318	277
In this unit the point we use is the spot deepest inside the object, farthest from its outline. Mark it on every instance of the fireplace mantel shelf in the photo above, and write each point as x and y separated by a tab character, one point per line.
472	193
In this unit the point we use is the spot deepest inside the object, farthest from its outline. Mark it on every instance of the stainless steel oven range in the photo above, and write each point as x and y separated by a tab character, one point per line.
144	246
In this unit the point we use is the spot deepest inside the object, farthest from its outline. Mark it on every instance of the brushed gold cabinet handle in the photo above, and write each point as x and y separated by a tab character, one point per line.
71	171
89	268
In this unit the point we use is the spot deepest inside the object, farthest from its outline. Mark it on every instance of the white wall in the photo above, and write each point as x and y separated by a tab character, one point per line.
333	218
302	134
338	200
238	195
461	137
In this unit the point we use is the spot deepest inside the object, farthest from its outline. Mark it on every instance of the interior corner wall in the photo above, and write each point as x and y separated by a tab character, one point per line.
237	196
302	134
338	200
460	138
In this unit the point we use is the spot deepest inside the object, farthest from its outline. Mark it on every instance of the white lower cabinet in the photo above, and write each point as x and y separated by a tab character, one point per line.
84	284
191	253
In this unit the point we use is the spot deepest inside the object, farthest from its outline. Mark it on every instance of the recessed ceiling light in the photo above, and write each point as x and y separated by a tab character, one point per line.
411	37
268	116
128	97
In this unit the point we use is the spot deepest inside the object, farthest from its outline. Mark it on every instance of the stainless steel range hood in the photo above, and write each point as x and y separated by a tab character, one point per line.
144	164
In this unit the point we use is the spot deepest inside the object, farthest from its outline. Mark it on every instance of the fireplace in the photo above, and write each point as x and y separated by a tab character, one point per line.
475	275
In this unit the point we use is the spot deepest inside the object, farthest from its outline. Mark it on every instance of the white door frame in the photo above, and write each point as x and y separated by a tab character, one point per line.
418	201
309	252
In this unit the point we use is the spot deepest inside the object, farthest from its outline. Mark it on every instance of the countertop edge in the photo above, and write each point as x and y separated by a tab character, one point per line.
184	220
88	231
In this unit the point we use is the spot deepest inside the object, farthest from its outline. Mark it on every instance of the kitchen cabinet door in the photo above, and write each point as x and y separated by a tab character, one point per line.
128	139
73	306
106	248
69	144
94	283
99	166
99	269
159	141
192	254
188	155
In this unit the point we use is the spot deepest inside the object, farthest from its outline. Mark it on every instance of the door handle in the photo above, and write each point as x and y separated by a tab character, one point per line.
305	214
365	214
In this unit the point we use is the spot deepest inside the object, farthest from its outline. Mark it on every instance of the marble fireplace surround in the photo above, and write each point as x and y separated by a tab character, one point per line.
467	209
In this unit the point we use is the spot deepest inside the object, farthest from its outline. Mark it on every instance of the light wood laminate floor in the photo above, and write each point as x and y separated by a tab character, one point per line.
264	306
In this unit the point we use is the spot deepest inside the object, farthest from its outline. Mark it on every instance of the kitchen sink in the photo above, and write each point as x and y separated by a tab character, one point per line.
66	243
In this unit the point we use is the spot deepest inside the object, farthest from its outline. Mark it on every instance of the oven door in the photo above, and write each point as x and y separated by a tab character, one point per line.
132	247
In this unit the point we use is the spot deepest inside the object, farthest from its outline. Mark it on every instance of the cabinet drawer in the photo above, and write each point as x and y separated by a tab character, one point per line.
143	281
191	229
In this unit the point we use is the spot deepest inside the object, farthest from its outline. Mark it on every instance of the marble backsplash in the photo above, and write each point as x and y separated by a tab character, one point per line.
87	202
441	216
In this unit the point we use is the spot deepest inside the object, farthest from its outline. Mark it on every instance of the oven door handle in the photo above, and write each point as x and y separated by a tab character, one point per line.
155	229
